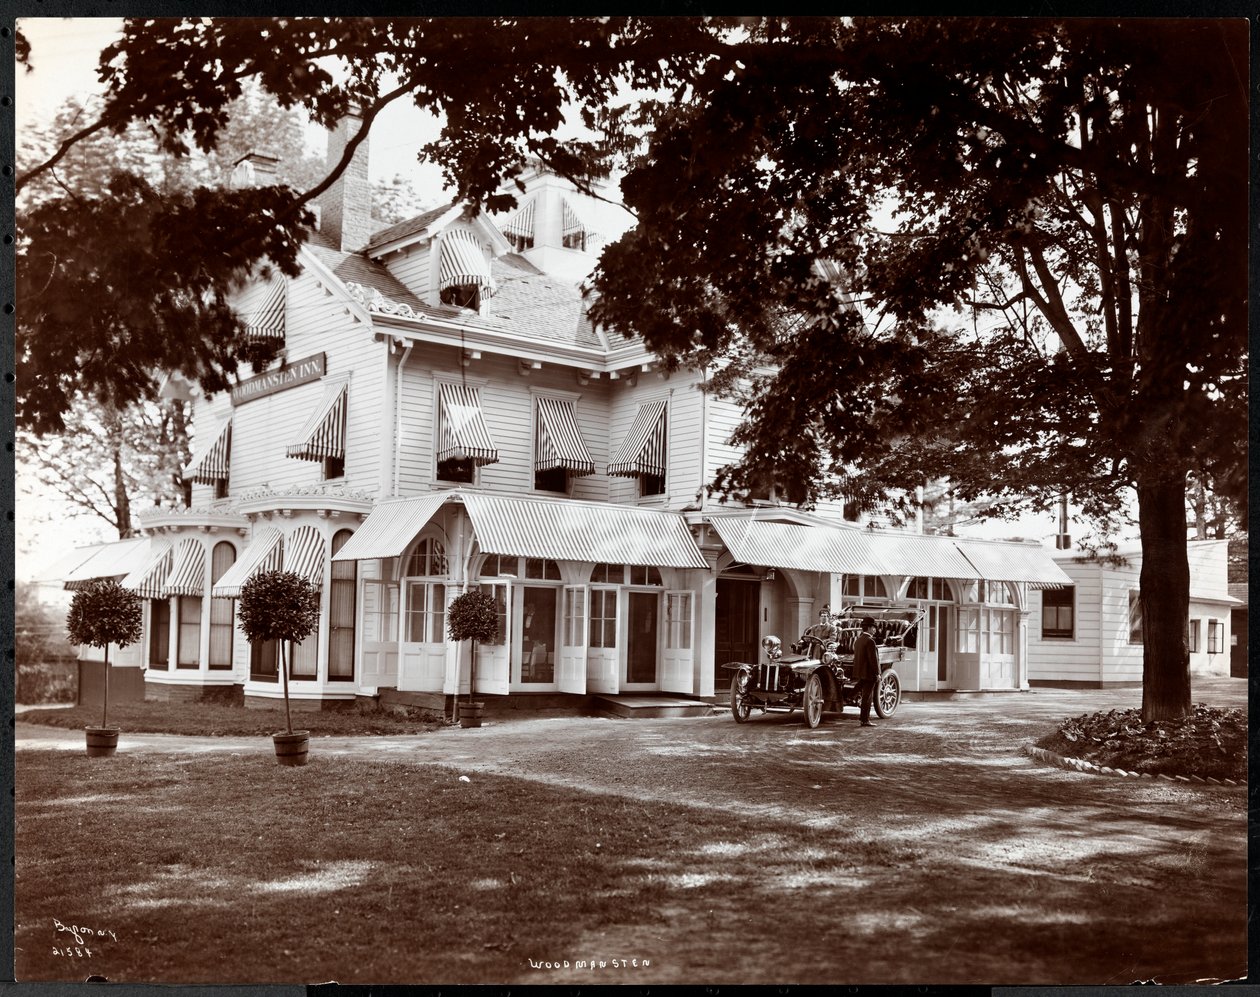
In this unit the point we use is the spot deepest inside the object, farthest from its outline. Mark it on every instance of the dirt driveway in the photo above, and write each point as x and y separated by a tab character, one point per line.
1004	861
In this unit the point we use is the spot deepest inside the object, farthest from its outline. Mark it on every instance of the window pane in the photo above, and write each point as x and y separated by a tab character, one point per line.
1135	617
417	593
437	614
188	654
222	613
499	594
303	657
159	633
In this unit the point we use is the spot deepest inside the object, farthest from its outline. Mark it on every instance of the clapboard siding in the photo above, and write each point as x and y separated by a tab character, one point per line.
413	267
263	429
1078	659
507	400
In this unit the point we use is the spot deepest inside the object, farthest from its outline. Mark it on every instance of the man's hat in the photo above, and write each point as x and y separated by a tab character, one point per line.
868	622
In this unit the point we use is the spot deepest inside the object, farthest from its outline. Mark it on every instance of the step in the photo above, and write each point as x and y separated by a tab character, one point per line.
649	706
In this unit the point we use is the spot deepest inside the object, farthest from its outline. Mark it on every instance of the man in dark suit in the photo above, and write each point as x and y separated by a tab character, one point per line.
866	668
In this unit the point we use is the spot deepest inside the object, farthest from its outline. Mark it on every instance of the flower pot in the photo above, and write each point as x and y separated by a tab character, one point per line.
101	741
292	749
470	714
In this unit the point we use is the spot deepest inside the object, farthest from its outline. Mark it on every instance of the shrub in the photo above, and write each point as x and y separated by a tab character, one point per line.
104	613
281	606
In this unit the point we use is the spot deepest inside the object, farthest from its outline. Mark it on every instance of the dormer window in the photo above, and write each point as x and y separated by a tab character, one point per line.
462	296
464	272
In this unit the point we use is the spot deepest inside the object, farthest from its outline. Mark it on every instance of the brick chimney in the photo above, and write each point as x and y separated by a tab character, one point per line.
345	208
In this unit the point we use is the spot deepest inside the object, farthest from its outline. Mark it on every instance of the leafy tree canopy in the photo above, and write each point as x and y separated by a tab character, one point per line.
472	616
103	612
278	605
812	195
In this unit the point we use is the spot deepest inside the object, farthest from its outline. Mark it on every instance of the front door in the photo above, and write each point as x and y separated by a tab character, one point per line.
380	634
736	626
944	647
538	636
642	639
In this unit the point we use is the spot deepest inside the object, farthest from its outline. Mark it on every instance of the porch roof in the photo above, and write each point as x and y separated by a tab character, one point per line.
921	554
799	546
113	560
582	531
391	526
1014	562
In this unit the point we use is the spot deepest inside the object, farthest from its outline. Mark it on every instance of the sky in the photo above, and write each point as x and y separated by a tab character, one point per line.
64	52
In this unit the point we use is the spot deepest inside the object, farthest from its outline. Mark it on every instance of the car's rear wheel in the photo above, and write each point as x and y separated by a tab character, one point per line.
887	694
812	701
740	707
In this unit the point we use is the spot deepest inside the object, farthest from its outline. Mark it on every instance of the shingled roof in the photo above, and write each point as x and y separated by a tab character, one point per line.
409	226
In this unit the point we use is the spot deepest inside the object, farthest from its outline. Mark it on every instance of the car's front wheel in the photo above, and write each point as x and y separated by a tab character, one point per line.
740	707
812	701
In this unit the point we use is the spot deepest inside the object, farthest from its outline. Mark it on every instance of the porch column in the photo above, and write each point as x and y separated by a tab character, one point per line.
705	587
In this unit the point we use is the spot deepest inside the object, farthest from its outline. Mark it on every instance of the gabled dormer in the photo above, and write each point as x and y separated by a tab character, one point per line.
558	228
443	256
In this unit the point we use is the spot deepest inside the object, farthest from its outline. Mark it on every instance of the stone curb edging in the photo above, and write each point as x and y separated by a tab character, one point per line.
1080	765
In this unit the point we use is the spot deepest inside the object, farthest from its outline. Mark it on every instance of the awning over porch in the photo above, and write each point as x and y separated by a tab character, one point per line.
582	531
1014	562
113	560
391	527
920	554
263	554
798	546
149	580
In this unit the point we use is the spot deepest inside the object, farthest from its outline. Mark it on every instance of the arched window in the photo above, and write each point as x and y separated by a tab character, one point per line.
426	600
645	575
427	560
546	569
222	611
341	611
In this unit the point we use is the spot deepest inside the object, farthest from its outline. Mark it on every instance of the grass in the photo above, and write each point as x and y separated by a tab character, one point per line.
375	872
1210	743
199	718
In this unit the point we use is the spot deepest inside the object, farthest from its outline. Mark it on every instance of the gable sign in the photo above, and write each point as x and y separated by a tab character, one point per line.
289	376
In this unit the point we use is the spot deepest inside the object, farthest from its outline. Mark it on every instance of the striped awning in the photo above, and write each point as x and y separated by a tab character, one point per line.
800	546
558	440
112	560
263	554
464	262
149	580
572	221
211	463
324	434
582	531
1014	562
462	432
304	554
920	554
643	450
188	572
391	527
521	223
267	320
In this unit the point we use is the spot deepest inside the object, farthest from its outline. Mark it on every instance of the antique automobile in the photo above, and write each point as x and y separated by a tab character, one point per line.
820	678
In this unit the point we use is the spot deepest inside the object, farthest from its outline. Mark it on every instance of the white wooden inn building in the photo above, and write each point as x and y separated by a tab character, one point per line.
445	417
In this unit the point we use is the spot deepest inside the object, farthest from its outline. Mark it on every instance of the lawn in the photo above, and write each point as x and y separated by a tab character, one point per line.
209	718
359	872
226	868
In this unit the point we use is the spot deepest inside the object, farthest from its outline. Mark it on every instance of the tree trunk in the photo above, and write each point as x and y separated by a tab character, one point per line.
284	674
122	501
1165	600
105	707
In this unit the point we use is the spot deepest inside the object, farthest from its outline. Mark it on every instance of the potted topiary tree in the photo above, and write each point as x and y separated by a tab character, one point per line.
472	616
281	606
103	613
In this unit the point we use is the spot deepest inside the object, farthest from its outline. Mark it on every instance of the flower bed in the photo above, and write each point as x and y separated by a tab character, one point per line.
1210	742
